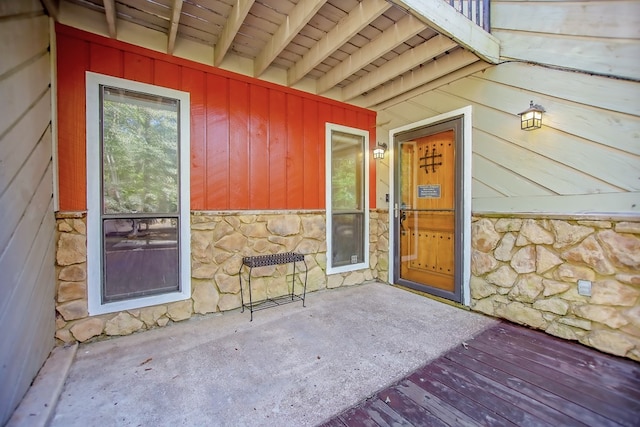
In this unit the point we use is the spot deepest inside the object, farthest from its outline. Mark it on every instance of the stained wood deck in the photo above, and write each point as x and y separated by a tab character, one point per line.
509	375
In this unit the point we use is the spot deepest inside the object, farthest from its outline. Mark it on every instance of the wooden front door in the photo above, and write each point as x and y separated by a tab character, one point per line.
426	196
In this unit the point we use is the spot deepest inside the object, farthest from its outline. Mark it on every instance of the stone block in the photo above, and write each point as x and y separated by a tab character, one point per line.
64	227
150	315
484	237
353	278
202	246
203	271
73	310
622	249
533	232
629	278
284	225
485	306
552	287
572	273
307	246
589	252
334	281
504	225
609	342
79	226
205	297
564	331
87	328
628	227
256	230
567	234
72	249
524	260
527	288
222	229
65	336
122	324
609	316
232	242
504	251
228	284
482	263
316	279
180	310
553	305
595	224
504	277
612	292
576	323
229	302
68	291
73	273
480	288
546	260
522	314
314	227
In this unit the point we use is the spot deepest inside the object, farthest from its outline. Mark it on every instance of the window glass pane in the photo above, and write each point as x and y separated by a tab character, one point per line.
139	152
348	242
347	185
140	257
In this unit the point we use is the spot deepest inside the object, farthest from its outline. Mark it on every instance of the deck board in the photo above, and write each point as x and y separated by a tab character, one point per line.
508	375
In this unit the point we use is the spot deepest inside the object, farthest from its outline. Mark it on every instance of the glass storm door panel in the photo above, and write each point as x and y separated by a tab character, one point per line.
426	220
139	194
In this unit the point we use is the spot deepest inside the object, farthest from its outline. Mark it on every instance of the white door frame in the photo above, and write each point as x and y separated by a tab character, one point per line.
466	113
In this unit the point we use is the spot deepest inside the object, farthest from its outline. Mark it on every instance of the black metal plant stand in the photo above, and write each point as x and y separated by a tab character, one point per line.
273	259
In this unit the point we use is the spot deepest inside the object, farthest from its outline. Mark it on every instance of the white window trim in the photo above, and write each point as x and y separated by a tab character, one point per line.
329	128
94	235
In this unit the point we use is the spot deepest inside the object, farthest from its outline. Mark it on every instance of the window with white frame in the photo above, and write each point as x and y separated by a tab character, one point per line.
137	194
347	203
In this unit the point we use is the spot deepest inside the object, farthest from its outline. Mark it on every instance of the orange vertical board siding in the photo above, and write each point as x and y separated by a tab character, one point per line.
138	68
105	60
278	149
364	122
295	152
254	144
193	81
217	173
239	144
324	117
259	147
311	148
166	74
73	61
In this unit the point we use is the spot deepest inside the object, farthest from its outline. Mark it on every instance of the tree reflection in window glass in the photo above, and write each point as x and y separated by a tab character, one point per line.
140	153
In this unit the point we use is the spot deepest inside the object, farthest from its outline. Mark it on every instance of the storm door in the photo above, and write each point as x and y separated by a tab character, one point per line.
427	205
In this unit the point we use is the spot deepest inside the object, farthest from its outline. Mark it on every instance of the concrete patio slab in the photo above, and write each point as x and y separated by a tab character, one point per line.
290	366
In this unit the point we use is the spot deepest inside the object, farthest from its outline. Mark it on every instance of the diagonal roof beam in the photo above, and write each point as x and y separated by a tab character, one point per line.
432	71
52	7
393	36
173	26
443	18
296	20
408	60
234	22
110	13
361	16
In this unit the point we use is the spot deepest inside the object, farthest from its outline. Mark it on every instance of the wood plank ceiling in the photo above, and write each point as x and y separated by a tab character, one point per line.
372	50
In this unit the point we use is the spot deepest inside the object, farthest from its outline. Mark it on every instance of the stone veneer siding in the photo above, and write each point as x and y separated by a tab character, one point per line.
219	240
525	269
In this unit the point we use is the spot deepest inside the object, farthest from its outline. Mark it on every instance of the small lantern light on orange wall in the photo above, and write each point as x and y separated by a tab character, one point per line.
531	118
378	152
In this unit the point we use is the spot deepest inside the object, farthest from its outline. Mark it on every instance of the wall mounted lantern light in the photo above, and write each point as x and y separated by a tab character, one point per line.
378	152
531	118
